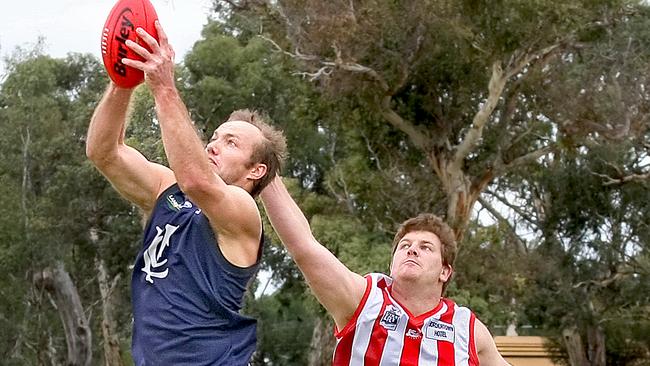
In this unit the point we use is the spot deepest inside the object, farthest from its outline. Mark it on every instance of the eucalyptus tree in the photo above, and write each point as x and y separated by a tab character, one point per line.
440	104
54	242
461	81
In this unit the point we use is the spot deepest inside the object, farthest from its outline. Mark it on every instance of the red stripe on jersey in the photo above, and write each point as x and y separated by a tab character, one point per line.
473	356
375	330
345	337
411	348
446	349
377	338
343	350
353	321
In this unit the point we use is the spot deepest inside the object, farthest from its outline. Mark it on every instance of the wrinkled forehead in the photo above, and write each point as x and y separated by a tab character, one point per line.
241	129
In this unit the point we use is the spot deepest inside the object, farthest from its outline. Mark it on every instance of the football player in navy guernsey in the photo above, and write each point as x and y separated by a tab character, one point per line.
401	319
203	238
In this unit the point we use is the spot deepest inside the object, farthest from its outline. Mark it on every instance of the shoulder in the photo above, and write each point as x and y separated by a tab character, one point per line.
483	338
249	217
239	227
237	216
376	284
240	194
378	280
488	354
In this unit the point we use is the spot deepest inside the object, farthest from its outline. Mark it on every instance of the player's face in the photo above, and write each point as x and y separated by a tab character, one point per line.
230	150
418	257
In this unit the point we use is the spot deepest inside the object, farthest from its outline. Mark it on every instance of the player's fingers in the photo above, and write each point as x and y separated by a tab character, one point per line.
162	36
138	49
164	41
148	39
134	63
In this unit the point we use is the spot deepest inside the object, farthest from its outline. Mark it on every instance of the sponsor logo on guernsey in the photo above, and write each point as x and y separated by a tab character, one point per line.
390	318
152	255
440	331
413	333
173	204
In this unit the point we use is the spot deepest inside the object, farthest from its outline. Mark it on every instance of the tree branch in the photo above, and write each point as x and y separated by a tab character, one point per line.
325	70
497	215
516	209
372	151
331	65
471	139
495	90
340	179
622	130
517	65
609	181
417	136
614	128
529	157
297	55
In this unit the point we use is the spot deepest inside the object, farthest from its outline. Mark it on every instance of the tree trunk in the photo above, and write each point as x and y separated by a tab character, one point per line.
462	193
26	183
594	355
596	346
458	207
112	355
573	343
322	343
59	285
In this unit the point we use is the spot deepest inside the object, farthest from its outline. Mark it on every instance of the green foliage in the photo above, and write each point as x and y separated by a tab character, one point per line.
57	198
284	329
493	287
588	267
430	63
250	75
569	250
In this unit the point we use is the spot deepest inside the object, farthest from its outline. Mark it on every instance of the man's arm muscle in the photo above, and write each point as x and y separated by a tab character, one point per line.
336	287
133	176
488	354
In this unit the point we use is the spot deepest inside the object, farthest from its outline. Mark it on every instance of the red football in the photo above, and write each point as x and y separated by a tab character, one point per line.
125	17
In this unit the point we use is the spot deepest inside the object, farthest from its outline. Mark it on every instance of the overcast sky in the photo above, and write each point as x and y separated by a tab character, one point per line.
75	25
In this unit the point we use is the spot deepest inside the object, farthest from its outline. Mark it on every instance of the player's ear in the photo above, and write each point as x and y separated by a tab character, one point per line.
446	273
257	171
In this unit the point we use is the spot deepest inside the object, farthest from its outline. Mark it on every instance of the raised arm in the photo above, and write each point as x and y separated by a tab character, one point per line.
231	210
336	287
131	174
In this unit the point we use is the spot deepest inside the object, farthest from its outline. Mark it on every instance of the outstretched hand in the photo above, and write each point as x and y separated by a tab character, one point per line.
158	64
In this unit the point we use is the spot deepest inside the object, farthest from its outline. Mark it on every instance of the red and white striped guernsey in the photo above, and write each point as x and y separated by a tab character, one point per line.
383	333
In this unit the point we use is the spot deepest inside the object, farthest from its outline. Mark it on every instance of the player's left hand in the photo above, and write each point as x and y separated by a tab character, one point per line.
158	64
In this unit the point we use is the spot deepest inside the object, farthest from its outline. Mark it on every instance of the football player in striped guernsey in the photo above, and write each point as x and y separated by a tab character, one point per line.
401	319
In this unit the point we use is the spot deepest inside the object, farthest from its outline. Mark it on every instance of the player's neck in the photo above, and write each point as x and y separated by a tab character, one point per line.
416	298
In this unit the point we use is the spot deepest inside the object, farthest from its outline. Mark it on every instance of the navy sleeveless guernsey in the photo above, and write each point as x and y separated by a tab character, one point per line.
186	296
